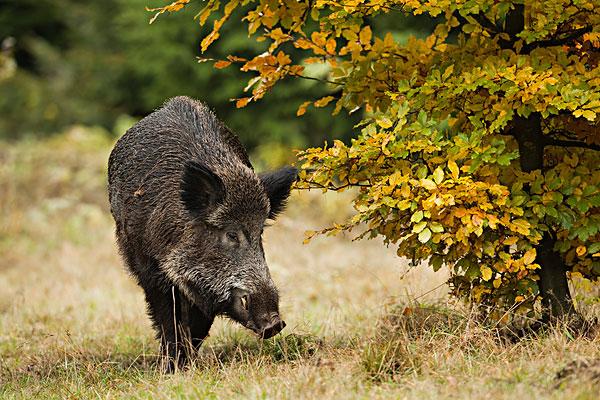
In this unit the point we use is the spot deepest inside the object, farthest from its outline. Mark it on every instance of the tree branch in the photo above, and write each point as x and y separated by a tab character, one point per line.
515	23
564	133
556	41
572	143
312	78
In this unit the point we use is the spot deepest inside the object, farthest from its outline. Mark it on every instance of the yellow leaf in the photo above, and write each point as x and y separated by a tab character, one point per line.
384	122
330	46
509	241
454	171
322	102
430	202
579	67
580	250
173	7
208	40
448	72
486	273
589	115
319	38
405	191
428	184
395	178
521	226
438	175
302	109
497	282
243	102
222	64
460	212
577	275
529	256
365	35
492	221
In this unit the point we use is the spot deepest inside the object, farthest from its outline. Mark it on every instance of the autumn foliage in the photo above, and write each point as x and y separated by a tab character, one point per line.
479	148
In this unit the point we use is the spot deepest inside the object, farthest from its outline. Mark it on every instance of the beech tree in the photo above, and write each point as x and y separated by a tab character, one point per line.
479	147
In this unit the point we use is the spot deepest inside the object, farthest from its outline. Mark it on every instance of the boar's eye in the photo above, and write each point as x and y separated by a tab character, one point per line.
232	237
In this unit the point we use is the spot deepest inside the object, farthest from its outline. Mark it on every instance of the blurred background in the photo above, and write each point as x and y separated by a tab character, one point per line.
102	65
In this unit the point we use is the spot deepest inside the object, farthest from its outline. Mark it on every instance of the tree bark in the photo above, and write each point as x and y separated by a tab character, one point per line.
554	287
556	297
553	284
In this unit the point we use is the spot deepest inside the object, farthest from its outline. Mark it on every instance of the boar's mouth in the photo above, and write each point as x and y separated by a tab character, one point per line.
272	329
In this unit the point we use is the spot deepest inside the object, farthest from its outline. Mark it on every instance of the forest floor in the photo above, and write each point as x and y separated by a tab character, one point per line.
361	323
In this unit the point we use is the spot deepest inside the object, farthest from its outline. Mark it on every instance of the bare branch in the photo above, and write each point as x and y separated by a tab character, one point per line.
572	143
312	78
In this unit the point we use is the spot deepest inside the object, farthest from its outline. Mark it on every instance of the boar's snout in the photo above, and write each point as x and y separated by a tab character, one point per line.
257	311
273	327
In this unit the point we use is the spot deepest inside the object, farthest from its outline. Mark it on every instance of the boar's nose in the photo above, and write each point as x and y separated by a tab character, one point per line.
273	328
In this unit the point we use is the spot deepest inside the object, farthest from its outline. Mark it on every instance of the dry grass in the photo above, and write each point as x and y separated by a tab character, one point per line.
72	323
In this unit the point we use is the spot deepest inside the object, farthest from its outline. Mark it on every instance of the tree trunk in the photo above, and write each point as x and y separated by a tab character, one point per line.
554	287
556	297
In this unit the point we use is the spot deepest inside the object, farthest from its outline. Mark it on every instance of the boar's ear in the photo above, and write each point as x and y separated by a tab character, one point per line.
201	189
277	185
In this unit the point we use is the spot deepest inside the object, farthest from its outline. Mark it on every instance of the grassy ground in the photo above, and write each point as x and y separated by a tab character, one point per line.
73	325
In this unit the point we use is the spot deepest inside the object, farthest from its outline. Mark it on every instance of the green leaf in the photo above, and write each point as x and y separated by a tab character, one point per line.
422	117
438	175
419	227
403	86
384	122
583	205
468	28
504	159
436	262
594	248
436	227
417	217
421	172
425	235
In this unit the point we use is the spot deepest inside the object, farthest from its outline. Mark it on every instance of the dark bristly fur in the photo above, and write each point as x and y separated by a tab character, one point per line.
277	187
189	212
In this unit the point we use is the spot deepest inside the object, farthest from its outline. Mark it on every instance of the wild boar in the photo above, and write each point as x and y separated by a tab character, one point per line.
189	212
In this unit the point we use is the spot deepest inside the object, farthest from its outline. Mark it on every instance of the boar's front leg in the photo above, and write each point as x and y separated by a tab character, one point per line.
179	324
164	309
196	324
